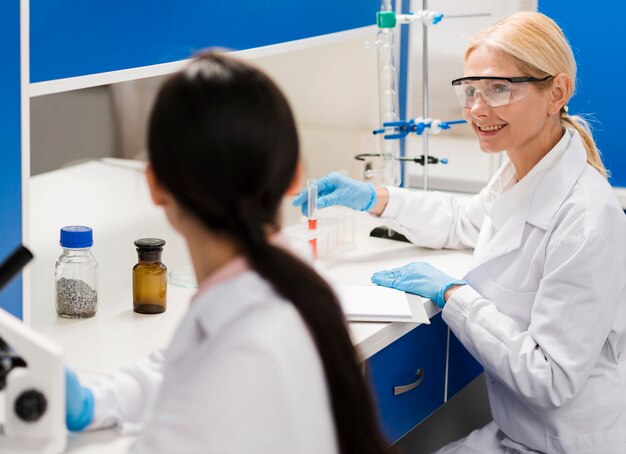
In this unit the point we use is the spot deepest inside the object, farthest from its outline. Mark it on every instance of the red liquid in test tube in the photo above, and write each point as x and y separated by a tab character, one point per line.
312	212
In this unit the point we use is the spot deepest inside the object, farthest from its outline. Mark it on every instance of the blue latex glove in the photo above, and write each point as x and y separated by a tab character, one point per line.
420	278
337	189
79	403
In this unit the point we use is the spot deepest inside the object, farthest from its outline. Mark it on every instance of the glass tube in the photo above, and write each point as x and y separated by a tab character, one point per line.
311	187
388	100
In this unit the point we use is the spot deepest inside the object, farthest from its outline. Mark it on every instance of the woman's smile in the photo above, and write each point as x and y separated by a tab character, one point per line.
489	130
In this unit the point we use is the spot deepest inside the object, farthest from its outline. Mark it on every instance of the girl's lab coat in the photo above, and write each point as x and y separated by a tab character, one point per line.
241	375
545	308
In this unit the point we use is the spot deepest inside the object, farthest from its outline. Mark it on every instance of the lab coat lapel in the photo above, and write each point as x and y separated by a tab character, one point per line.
535	204
498	242
505	218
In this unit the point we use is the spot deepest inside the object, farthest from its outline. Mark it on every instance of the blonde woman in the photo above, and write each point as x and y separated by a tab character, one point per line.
543	307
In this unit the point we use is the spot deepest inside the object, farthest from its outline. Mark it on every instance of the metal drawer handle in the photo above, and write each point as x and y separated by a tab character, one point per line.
397	390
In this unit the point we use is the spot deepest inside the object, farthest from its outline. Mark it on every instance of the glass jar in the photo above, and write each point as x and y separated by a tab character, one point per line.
149	277
76	274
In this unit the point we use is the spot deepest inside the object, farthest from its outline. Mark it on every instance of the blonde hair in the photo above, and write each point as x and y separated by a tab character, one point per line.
539	48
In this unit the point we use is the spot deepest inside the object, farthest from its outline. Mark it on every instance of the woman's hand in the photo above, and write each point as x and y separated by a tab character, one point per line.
337	189
419	278
79	403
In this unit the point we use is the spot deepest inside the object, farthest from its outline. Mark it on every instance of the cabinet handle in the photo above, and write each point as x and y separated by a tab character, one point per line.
397	390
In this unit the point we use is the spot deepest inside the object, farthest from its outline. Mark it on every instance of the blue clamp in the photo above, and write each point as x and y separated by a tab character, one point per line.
400	129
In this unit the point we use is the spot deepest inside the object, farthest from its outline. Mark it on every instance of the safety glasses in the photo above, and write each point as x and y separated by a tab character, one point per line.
495	91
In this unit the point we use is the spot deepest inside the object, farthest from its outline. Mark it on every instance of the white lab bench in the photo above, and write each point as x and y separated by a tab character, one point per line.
111	196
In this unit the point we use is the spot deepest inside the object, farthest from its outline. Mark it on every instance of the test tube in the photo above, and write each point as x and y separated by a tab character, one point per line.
311	187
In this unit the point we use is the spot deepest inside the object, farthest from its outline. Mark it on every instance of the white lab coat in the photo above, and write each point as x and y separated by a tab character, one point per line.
241	375
545	308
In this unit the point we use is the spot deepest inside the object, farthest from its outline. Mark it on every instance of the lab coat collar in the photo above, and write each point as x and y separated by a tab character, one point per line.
232	291
506	197
534	200
225	302
558	182
233	268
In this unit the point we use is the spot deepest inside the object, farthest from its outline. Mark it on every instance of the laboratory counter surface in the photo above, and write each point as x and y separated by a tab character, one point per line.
111	196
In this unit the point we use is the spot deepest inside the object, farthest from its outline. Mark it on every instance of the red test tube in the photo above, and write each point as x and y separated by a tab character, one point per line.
311	187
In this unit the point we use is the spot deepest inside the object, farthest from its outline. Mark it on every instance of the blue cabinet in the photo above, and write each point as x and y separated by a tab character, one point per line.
414	367
462	367
10	148
72	38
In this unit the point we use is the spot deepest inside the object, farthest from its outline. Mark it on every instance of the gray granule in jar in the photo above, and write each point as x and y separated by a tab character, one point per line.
75	298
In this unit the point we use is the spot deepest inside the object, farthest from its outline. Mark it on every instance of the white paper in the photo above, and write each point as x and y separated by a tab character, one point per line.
375	303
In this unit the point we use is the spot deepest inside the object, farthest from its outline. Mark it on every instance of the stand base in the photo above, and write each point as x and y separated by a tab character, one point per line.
388	234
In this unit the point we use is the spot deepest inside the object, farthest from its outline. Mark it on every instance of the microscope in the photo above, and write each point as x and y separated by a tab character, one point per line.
32	381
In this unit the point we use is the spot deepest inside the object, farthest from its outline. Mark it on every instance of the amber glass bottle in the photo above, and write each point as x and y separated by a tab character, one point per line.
149	277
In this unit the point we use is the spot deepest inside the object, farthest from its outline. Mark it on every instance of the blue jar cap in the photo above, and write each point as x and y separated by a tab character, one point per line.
76	237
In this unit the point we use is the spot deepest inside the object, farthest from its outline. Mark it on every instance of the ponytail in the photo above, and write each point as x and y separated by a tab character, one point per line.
583	128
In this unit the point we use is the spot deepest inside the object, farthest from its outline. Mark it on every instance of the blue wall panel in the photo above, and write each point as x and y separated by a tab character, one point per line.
77	37
10	148
595	33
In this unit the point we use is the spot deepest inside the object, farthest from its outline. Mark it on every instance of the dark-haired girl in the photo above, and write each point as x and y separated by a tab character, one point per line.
262	362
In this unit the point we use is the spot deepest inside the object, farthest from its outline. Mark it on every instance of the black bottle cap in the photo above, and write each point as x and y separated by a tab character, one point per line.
149	249
149	244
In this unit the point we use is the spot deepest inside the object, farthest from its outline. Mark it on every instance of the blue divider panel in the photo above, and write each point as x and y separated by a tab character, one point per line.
462	367
595	33
77	37
10	149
